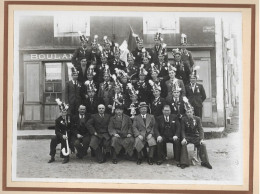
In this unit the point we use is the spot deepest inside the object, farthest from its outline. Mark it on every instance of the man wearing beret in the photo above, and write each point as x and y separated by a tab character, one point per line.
144	129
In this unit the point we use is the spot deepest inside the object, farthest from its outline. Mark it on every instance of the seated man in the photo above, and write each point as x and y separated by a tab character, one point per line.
144	129
98	127
168	131
192	132
62	131
81	135
120	129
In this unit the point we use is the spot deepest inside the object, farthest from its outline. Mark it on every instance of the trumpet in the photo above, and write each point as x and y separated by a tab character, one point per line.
66	151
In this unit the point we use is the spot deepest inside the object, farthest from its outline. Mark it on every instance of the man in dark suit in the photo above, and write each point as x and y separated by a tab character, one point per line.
192	132
196	94
80	133
82	69
168	131
73	93
144	130
186	55
120	129
137	53
81	52
62	133
108	45
117	63
95	53
100	140
157	102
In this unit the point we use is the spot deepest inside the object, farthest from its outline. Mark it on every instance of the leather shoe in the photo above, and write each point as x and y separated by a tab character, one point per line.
183	166
159	162
51	160
66	160
207	165
150	161
114	161
139	162
101	161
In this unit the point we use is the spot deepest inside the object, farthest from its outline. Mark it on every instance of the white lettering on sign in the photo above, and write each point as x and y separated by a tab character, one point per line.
48	57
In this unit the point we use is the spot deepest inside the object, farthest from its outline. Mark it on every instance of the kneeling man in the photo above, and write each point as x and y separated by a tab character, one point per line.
144	129
120	129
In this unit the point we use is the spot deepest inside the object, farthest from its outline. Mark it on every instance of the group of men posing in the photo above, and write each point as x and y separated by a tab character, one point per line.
115	108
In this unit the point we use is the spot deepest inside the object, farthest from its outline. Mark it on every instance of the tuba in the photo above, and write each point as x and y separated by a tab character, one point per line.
66	151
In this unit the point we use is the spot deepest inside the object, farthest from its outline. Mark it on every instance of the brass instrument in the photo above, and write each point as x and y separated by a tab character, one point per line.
66	151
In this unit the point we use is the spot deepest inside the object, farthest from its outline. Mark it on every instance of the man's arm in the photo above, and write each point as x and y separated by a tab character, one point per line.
178	127
90	125
202	92
200	129
135	130
111	128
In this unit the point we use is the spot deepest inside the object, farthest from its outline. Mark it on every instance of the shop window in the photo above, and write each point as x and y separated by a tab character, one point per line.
70	25
53	82
168	24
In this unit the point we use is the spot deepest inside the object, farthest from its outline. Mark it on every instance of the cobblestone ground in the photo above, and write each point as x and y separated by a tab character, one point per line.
32	157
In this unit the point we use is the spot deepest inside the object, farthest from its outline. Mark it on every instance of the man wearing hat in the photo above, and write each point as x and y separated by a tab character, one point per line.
63	128
132	68
137	53
168	131
73	92
80	133
132	105
144	132
100	140
107	49
162	65
173	80
176	102
195	93
192	132
91	100
158	102
186	55
117	63
158	46
104	66
120	129
95	53
81	52
182	69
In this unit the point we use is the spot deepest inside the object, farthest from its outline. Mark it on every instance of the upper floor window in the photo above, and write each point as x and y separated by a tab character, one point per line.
70	25
167	23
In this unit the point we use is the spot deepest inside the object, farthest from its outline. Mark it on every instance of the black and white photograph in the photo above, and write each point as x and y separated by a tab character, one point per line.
127	97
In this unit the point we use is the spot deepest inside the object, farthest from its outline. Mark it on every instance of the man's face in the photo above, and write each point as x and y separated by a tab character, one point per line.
74	76
177	57
134	98
145	60
119	112
117	55
91	94
117	89
193	80
124	79
94	46
83	62
161	58
101	109
176	94
166	111
90	77
189	113
142	77
154	75
140	44
130	61
157	42
107	46
103	60
106	78
64	113
84	44
82	110
172	74
156	93
143	110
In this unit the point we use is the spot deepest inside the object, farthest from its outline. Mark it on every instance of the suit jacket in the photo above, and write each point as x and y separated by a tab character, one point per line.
78	54
121	128
187	58
96	56
183	71
82	76
192	128
106	92
73	92
169	84
80	126
145	91
62	126
140	128
132	71
163	70
154	54
197	97
157	106
98	124
138	56
91	108
177	108
119	64
174	128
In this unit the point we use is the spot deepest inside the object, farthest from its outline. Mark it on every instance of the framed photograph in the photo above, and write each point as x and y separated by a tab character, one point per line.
207	59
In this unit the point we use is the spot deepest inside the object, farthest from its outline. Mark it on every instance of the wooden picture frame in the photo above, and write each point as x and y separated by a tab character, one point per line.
249	12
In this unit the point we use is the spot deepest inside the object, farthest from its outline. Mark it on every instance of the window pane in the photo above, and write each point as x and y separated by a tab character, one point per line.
48	87
57	87
52	71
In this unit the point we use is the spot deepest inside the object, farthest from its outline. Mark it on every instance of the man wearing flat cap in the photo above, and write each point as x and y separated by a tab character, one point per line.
144	129
120	129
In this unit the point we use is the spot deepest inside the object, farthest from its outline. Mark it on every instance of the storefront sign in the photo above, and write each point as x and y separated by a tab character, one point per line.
48	57
209	29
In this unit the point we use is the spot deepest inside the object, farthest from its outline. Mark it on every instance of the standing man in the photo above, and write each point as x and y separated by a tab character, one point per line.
62	133
158	45
82	69
81	135
73	92
192	132
100	140
186	55
108	49
120	129
195	93
144	132
169	131
95	53
137	53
